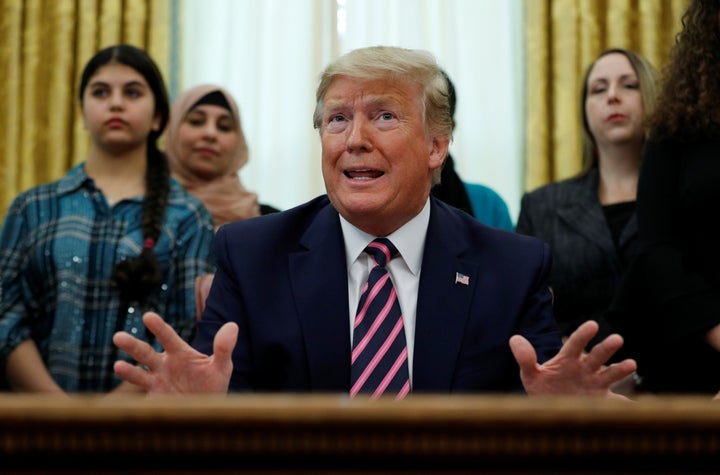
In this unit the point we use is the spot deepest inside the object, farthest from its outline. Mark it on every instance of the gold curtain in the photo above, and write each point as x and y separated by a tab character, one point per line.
562	39
44	45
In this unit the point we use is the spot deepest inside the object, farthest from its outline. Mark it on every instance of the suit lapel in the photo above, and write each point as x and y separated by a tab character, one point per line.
585	216
443	305
318	277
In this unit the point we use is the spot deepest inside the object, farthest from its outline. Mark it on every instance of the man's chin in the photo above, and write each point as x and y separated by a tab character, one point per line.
358	205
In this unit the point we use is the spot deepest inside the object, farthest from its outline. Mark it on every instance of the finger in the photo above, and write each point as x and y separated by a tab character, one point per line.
577	341
603	351
617	371
133	374
523	352
165	334
224	342
620	397
139	350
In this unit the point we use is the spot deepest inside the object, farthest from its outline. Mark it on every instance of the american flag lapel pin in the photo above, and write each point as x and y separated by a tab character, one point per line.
462	279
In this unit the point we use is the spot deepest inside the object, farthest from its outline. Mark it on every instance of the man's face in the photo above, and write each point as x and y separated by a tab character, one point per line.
377	158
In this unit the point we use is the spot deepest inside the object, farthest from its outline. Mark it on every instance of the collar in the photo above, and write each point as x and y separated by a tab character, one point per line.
409	239
73	179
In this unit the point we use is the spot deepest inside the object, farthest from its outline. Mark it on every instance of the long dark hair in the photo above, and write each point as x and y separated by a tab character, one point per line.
137	278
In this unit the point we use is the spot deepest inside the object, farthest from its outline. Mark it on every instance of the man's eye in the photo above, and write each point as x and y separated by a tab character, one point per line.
387	116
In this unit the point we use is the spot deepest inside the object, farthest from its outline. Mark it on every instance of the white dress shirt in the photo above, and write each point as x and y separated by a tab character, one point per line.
404	270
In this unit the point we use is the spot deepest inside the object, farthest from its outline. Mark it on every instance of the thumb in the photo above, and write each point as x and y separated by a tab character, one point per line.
225	340
523	352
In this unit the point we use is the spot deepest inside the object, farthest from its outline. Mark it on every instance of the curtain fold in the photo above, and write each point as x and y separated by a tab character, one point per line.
44	44
562	38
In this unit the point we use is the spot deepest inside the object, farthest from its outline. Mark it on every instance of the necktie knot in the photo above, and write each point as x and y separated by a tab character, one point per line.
382	250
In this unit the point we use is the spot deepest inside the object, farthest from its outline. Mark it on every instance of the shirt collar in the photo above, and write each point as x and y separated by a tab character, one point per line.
73	179
409	239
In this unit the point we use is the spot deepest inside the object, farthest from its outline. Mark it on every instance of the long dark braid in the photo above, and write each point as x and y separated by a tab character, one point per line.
138	278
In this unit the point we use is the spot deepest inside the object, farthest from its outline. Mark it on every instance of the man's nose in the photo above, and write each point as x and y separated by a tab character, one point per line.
357	138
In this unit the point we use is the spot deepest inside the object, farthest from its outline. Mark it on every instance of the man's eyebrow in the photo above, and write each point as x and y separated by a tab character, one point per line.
334	104
372	101
381	101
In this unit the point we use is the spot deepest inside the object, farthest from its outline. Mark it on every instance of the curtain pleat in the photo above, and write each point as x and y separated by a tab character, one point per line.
44	44
11	27
562	38
539	119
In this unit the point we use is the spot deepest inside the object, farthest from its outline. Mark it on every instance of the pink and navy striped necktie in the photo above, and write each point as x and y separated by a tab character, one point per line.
379	355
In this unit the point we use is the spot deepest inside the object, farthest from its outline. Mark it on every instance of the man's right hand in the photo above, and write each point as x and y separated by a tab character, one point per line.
180	369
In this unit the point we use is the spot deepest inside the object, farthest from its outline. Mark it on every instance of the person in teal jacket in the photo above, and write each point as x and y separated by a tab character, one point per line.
477	200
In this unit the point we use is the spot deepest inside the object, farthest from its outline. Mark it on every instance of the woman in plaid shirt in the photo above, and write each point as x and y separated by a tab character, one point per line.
87	255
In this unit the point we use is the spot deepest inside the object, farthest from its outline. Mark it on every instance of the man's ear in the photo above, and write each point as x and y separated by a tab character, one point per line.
438	152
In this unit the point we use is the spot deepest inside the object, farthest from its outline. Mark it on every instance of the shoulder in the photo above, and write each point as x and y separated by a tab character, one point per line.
677	147
462	230
512	255
560	192
270	241
477	189
554	189
37	198
268	209
512	245
488	206
288	225
182	205
179	196
484	195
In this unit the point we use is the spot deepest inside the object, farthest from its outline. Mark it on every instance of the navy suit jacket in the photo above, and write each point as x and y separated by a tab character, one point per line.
283	279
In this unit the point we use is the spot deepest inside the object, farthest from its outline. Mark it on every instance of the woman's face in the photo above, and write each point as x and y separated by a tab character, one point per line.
613	105
207	141
119	108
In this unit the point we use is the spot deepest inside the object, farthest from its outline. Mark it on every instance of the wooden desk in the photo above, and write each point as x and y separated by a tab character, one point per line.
330	433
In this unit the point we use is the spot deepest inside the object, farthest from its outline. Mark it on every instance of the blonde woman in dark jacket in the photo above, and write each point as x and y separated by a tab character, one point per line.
589	220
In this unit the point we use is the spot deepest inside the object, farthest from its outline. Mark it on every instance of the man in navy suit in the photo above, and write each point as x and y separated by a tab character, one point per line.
475	303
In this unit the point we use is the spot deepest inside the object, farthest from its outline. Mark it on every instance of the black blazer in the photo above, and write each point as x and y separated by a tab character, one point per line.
587	265
670	295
